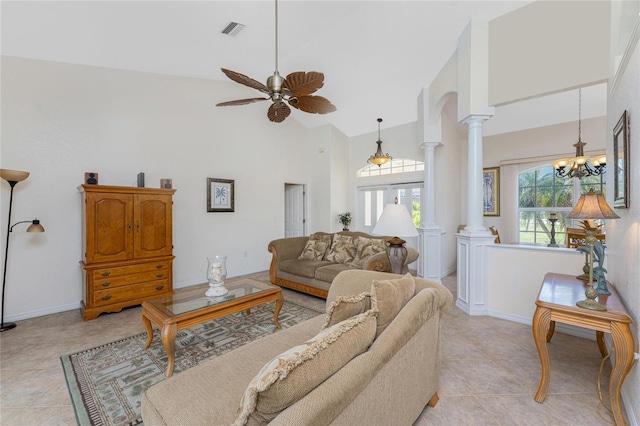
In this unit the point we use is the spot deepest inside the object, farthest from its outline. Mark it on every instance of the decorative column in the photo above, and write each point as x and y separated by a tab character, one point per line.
430	266
472	285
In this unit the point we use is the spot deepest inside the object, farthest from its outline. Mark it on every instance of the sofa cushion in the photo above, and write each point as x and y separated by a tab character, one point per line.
328	272
367	247
345	307
316	247
343	249
389	297
303	268
294	373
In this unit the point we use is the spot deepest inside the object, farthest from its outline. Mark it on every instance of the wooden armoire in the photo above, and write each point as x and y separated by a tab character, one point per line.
127	246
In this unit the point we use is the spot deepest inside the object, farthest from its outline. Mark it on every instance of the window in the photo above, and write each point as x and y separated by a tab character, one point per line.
400	165
540	193
373	199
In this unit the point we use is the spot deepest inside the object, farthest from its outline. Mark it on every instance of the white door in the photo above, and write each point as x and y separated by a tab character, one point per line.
294	210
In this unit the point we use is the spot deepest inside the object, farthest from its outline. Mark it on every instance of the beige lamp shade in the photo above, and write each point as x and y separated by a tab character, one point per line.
13	175
592	206
395	221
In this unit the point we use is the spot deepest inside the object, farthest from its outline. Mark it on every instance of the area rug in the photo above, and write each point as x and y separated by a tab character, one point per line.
106	383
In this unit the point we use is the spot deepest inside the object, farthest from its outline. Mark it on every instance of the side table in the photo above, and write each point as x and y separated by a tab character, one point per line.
557	303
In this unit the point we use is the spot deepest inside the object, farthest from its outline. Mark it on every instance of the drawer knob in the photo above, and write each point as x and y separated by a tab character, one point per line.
159	266
106	274
160	287
159	275
106	284
106	297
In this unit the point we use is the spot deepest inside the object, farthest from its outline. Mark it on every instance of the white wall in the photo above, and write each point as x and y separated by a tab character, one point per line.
61	120
623	235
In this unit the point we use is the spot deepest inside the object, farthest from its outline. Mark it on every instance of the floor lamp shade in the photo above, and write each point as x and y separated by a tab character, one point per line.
396	220
13	177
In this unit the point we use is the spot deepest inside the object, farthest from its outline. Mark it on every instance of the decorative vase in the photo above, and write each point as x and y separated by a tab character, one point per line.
216	274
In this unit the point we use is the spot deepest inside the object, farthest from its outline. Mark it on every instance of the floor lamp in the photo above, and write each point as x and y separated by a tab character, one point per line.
13	177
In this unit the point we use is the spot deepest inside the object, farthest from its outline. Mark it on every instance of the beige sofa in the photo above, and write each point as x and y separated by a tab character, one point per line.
315	276
390	383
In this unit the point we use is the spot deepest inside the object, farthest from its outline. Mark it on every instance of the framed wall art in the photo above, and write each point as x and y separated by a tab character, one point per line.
491	191
621	162
220	195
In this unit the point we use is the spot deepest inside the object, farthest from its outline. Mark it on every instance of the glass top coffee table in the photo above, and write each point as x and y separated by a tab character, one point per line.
190	307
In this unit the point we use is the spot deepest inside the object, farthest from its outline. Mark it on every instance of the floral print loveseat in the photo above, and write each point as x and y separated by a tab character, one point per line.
309	264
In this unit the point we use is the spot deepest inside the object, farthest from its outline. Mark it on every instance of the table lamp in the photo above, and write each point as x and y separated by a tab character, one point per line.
591	206
396	220
13	177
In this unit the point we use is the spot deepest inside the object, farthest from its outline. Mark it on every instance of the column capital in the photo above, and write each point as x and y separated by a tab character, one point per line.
430	145
471	120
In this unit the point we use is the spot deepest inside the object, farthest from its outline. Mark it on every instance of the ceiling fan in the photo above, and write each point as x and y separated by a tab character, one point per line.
296	90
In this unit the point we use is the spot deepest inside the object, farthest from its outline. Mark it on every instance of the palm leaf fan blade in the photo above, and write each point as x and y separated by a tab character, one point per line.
302	83
242	102
245	80
278	112
312	104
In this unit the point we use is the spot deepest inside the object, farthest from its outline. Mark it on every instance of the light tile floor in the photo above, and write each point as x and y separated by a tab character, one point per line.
490	369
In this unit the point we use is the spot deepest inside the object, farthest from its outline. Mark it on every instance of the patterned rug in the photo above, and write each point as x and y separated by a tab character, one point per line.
106	383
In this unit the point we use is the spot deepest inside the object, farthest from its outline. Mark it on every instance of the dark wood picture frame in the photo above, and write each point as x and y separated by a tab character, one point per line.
621	162
220	195
491	191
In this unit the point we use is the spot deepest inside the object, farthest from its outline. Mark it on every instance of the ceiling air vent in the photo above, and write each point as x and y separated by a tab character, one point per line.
232	28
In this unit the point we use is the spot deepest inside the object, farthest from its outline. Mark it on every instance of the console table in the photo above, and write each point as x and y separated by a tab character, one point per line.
557	302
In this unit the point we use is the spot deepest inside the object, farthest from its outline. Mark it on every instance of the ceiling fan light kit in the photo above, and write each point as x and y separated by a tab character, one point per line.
295	89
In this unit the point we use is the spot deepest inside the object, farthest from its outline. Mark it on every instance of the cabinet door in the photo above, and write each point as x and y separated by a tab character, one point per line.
153	229
109	227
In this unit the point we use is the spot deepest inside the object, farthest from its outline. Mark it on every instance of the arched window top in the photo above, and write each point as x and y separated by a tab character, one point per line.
397	165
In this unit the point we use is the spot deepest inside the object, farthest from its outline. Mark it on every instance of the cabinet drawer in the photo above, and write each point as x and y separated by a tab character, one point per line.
143	277
131	292
119	271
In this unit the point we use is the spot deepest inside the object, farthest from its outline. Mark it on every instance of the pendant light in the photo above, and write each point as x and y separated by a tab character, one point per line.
379	158
580	165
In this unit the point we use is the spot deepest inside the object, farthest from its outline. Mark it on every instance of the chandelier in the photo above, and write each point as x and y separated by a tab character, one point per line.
379	158
580	165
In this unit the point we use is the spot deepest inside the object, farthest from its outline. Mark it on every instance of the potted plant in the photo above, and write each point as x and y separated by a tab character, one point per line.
345	220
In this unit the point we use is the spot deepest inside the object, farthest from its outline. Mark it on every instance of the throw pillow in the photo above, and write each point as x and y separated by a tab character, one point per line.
389	297
316	247
344	307
294	373
343	249
367	247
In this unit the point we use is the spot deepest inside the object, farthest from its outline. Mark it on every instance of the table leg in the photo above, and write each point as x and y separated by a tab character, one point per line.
541	321
169	332
624	348
552	329
601	346
279	303
149	328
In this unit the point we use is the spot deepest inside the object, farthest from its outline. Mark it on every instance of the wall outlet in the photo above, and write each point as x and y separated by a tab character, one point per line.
244	253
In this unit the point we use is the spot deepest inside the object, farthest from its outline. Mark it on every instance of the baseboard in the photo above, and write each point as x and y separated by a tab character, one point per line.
47	311
562	328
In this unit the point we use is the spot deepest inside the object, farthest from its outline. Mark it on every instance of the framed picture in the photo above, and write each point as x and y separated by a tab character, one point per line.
220	195
621	162
491	191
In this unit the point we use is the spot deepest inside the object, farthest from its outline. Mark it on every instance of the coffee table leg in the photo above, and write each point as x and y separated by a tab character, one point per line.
169	332
279	303
541	320
149	328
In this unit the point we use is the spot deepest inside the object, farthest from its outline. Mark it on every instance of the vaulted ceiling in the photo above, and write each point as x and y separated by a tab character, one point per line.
376	55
